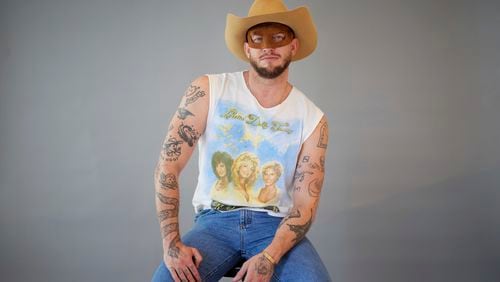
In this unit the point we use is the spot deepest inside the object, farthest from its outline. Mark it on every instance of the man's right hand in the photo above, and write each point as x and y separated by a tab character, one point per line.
182	261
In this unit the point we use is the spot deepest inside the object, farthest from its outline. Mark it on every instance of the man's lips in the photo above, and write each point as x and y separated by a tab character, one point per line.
269	57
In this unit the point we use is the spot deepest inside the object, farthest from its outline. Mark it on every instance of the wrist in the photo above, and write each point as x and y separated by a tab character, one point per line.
269	257
272	254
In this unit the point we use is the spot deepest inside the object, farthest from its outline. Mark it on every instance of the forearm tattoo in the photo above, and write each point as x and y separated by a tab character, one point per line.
168	181
294	213
170	212
193	93
300	230
171	149
169	228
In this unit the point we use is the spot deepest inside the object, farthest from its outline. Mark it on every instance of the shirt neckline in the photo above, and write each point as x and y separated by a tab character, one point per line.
249	93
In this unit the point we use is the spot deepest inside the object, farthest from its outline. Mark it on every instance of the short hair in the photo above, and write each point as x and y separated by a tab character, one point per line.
278	169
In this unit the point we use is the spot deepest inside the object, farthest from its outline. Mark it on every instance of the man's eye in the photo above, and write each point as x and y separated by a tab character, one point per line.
278	37
257	39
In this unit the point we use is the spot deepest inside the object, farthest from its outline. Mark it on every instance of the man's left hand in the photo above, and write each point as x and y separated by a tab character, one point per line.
257	268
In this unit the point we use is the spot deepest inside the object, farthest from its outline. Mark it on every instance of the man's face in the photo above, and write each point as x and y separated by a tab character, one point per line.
270	48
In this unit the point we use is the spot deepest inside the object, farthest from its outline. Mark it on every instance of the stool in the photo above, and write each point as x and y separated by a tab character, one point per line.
233	271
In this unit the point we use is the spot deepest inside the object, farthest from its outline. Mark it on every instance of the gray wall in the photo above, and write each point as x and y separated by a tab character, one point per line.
411	89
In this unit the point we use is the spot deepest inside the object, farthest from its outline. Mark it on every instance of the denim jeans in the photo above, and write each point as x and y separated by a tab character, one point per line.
223	238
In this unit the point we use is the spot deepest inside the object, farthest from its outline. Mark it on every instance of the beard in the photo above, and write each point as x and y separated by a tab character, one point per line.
274	72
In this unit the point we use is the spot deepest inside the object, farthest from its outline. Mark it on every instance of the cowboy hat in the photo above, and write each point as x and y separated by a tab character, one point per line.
261	11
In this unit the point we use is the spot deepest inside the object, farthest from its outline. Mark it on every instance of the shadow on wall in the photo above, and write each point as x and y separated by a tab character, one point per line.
449	231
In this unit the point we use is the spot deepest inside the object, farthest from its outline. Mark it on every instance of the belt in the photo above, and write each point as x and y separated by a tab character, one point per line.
223	207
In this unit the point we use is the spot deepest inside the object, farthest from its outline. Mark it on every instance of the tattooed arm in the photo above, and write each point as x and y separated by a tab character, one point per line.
308	182
186	126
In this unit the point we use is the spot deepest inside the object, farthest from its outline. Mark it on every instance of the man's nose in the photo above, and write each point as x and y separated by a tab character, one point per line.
267	43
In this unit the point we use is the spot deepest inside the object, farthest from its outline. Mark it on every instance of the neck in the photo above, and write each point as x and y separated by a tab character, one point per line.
269	92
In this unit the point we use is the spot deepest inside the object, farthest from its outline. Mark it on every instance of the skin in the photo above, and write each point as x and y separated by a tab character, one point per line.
185	129
270	177
269	93
186	126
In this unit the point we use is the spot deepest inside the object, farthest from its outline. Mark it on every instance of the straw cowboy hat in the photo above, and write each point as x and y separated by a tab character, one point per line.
261	11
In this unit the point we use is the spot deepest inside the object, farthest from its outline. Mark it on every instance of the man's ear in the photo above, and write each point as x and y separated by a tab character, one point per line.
246	49
295	45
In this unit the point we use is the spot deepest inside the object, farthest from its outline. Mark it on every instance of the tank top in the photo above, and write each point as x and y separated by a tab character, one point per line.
248	153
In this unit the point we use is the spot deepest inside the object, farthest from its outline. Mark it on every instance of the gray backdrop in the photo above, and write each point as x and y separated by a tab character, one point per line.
411	89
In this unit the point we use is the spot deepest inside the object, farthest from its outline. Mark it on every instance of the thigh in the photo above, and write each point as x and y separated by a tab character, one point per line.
216	245
301	263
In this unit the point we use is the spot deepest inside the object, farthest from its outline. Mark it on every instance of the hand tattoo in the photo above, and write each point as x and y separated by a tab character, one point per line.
264	266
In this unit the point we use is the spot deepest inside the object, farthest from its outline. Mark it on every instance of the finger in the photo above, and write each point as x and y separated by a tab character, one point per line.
181	275
197	257
173	272
188	274
194	272
240	273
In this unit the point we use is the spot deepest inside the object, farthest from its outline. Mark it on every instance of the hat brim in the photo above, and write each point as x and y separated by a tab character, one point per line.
299	20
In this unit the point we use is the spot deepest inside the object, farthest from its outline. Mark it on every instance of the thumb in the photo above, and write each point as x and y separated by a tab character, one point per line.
197	257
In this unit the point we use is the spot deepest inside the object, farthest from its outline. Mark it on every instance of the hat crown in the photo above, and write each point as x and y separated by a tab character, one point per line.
262	7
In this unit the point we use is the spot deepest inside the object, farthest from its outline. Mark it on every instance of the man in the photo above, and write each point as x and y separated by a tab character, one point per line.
255	117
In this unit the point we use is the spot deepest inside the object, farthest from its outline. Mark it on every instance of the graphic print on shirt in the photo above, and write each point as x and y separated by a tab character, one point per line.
248	154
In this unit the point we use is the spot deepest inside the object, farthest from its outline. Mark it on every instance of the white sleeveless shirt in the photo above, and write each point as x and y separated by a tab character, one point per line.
248	153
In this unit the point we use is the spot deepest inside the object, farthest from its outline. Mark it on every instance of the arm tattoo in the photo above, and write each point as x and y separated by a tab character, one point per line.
314	188
188	134
300	175
315	166
169	228
171	149
294	213
168	181
192	94
300	230
173	211
264	266
173	250
323	136
183	113
322	163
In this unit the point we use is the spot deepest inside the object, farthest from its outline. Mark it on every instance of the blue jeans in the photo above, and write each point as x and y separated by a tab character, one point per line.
223	238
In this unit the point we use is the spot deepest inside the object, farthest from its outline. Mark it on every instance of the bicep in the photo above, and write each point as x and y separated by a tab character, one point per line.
187	124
